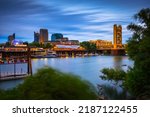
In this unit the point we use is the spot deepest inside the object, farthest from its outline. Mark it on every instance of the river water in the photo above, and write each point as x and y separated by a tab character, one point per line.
87	68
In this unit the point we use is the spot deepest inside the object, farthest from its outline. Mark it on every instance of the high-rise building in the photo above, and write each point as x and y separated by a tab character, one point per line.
36	37
11	38
56	36
117	36
43	35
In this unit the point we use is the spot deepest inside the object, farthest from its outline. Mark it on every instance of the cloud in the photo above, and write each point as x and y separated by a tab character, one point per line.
77	10
77	19
19	7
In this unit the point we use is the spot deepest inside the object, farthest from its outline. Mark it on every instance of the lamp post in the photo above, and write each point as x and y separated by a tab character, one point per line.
29	61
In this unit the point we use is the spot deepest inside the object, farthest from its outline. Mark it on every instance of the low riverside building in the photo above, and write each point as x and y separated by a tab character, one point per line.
20	51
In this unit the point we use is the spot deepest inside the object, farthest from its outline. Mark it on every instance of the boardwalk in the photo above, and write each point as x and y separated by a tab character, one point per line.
12	71
12	77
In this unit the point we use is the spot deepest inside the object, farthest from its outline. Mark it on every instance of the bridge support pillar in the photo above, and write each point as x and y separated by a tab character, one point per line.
117	52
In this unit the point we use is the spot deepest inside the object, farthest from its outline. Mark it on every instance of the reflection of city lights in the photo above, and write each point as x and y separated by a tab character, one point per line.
34	59
45	61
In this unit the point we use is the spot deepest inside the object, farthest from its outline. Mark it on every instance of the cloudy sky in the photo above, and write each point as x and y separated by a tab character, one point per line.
75	19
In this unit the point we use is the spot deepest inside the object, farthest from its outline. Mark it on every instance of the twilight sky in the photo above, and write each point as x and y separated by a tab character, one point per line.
75	19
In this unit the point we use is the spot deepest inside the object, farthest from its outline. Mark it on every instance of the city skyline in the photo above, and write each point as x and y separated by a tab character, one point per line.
81	20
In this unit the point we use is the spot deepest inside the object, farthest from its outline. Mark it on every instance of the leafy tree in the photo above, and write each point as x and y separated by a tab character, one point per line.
36	44
113	74
49	84
88	46
118	77
137	79
48	45
7	44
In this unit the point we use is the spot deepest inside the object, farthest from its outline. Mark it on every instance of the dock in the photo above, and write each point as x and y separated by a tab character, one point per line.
13	77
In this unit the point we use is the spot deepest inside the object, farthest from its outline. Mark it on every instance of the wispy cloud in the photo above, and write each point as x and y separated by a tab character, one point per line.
77	19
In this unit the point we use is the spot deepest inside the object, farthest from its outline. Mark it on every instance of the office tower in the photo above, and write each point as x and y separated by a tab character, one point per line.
117	36
56	36
43	35
36	37
11	38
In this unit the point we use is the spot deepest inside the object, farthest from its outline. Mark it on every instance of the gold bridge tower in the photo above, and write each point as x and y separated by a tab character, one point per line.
117	36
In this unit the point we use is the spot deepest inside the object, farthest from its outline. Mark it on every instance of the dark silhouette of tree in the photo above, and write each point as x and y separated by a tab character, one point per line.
138	78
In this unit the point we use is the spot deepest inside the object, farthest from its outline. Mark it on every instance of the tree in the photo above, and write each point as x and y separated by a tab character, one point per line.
137	79
36	44
113	74
48	45
49	84
7	44
90	47
116	76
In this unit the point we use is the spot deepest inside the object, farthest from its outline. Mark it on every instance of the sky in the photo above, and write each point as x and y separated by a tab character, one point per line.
81	20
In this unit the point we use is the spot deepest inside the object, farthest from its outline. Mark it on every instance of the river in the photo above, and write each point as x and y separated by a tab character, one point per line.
88	68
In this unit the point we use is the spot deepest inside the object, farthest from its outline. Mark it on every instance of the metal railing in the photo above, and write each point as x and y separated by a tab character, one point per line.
13	69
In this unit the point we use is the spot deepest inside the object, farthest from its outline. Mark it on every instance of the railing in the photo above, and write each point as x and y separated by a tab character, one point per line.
12	70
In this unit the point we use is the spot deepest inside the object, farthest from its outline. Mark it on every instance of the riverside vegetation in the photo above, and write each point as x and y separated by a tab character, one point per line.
51	84
137	79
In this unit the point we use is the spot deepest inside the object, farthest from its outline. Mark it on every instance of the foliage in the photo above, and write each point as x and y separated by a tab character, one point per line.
48	84
7	44
36	44
88	46
113	74
138	80
1	45
48	45
111	93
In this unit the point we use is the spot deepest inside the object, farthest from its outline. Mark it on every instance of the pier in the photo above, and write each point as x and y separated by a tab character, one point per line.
10	64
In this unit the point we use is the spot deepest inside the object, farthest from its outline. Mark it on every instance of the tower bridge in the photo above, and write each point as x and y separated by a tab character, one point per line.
103	46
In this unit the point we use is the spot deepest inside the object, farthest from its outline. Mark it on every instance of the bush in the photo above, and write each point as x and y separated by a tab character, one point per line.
51	84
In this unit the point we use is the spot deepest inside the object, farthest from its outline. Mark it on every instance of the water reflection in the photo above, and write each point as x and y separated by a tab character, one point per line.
118	62
87	68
